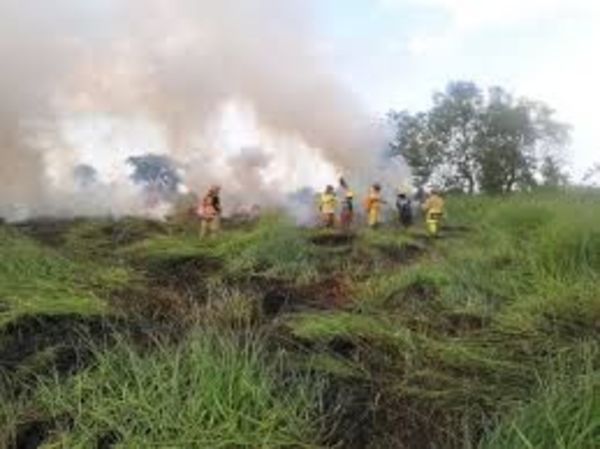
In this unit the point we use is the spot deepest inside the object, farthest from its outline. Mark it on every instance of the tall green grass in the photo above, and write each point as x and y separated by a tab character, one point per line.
274	247
39	280
213	391
564	412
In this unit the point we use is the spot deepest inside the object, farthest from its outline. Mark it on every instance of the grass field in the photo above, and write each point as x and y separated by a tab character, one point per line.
131	334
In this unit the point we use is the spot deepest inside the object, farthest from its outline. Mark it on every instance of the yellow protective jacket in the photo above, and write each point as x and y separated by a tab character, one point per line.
328	203
434	205
373	202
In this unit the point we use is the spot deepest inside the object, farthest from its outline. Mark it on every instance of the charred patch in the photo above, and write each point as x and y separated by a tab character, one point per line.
421	290
68	334
183	272
460	323
275	302
101	234
108	440
131	231
159	305
343	347
333	239
331	293
352	414
44	345
459	229
576	325
32	435
401	254
48	231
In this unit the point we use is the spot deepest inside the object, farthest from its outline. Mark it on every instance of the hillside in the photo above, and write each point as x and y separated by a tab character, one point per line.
136	334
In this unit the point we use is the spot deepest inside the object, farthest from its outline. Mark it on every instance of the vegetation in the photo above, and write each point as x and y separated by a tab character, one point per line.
212	391
469	141
270	336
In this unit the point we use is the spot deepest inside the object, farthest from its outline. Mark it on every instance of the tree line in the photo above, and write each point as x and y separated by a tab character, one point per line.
471	140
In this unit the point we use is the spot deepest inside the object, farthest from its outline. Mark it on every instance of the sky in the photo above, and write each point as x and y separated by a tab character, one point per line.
395	53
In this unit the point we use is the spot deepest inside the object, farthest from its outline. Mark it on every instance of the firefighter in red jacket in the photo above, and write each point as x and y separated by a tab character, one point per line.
209	212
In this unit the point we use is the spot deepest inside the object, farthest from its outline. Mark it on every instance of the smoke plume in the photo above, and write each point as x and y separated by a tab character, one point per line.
172	64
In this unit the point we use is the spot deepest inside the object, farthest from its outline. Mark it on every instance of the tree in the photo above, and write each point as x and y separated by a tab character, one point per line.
515	138
85	175
552	174
416	142
157	173
506	145
592	175
455	121
469	141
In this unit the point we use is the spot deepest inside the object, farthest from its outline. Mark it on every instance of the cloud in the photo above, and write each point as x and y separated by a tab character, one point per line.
474	14
422	44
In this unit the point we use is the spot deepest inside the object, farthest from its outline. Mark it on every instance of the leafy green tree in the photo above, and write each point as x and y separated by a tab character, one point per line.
155	172
455	121
469	141
85	175
592	175
418	144
553	176
506	145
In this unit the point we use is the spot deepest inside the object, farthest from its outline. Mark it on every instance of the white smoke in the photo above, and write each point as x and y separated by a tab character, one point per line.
173	66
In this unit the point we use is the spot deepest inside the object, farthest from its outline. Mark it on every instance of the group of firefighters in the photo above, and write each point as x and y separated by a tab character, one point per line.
209	208
432	207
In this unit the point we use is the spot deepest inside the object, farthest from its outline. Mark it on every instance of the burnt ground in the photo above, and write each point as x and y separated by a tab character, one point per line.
401	254
48	231
32	434
54	231
68	338
182	273
283	297
68	344
167	294
333	239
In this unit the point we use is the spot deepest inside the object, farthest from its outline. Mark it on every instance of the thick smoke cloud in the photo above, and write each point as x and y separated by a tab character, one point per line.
172	63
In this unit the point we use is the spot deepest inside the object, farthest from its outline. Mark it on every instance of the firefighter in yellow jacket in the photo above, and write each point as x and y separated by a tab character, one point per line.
327	207
433	209
373	205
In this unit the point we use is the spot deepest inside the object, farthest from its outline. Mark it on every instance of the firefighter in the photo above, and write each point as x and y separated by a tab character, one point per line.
347	213
209	211
373	204
433	209
327	207
405	209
